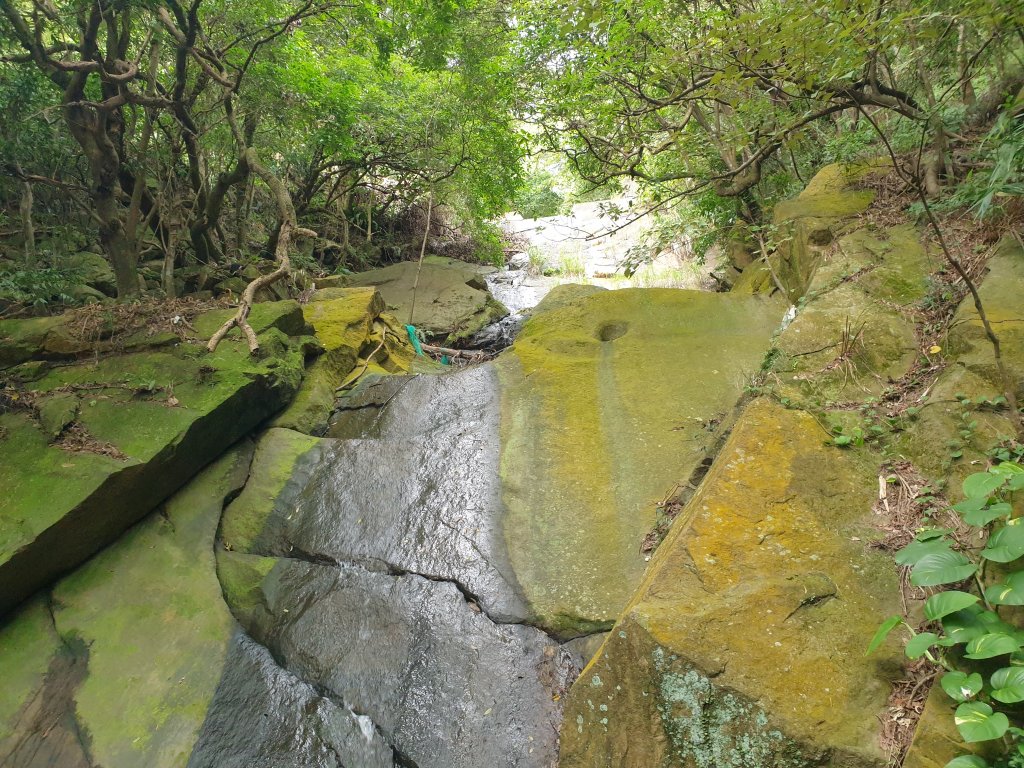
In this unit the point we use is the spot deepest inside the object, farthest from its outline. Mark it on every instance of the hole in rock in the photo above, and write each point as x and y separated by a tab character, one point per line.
612	331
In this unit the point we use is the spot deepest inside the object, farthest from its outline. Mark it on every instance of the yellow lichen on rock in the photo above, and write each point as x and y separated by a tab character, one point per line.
744	645
594	436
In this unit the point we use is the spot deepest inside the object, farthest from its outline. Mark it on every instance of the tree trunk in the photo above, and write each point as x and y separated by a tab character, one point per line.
167	273
935	166
28	231
966	81
241	221
345	235
369	217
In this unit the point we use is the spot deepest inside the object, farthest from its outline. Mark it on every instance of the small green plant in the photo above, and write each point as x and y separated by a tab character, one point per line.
965	625
847	438
573	267
39	287
537	261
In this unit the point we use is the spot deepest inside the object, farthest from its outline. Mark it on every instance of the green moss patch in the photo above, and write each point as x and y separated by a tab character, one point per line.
138	426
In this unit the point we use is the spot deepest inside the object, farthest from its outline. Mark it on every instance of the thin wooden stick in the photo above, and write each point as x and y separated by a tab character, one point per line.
423	251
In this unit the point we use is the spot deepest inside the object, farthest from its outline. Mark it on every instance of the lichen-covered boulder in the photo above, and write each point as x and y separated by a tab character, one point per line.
853	334
744	645
350	326
609	400
805	225
452	299
1000	294
96	445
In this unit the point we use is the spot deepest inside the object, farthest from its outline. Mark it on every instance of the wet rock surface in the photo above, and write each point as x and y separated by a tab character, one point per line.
440	681
373	567
419	494
264	717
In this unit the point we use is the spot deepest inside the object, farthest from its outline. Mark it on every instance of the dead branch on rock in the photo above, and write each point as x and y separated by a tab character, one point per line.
289	229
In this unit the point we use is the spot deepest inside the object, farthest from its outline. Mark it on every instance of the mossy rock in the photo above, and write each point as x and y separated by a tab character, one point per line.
452	300
744	645
853	336
1000	293
286	316
343	320
806	225
933	439
23	340
608	400
144	424
281	455
119	667
845	346
830	194
937	741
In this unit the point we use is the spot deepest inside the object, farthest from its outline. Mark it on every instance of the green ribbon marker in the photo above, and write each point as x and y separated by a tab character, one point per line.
411	330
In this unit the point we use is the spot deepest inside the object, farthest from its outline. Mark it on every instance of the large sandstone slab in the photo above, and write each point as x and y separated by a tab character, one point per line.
1000	294
744	646
118	665
452	299
610	402
853	335
108	439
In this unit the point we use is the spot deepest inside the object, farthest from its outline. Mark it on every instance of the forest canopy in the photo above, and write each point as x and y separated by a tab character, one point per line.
217	132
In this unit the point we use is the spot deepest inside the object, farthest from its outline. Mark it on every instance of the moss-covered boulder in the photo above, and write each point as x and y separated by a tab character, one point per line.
1000	294
452	299
744	646
351	329
805	225
98	444
610	399
118	665
854	332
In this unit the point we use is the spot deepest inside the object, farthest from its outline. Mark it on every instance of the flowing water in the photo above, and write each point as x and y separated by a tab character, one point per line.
393	630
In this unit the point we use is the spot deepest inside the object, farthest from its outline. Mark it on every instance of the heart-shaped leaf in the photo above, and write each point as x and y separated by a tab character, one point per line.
967	761
916	550
1006	544
977	722
982	484
1009	593
969	504
960	686
919	643
1016	483
1008	685
991	645
1007	468
945	567
985	515
945	603
963	626
927	534
883	632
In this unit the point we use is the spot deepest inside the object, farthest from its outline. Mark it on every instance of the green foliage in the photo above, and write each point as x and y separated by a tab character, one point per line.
39	287
969	627
538	197
1001	157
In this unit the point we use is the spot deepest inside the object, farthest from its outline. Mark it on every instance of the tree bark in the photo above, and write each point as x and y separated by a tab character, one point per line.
28	232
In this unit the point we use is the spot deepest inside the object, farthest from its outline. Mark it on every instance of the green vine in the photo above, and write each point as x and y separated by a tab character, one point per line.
968	626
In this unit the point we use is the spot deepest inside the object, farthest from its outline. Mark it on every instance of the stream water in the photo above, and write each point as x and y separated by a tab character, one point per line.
394	632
